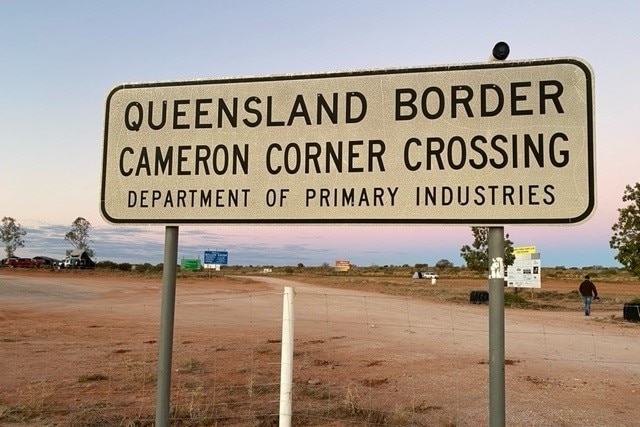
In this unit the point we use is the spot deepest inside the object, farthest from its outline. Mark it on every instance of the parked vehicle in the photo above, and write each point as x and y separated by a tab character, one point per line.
80	259
76	260
423	275
45	261
21	262
7	261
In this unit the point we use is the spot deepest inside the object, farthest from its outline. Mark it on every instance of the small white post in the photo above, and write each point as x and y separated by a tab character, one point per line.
286	358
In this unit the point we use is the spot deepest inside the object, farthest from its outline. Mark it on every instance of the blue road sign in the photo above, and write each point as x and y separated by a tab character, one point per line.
216	257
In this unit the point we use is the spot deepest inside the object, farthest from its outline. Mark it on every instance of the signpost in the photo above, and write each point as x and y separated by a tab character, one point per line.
342	265
526	268
489	144
216	257
190	263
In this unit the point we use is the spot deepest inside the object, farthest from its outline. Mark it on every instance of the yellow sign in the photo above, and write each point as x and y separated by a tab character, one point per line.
524	250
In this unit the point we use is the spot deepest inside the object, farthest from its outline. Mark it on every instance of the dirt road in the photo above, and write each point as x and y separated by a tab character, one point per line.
78	348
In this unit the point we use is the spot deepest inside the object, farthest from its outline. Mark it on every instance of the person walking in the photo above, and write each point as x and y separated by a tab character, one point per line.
589	293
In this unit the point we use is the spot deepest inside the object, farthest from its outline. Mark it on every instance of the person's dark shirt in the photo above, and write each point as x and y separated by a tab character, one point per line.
587	289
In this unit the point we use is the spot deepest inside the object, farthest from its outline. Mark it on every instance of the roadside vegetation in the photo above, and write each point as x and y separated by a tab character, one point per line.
454	285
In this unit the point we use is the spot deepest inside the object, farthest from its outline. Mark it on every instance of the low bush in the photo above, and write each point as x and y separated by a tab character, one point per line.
511	299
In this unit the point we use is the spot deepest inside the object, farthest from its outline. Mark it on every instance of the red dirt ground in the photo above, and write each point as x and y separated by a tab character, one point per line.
80	349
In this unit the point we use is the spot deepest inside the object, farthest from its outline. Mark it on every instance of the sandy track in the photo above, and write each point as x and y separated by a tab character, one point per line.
563	369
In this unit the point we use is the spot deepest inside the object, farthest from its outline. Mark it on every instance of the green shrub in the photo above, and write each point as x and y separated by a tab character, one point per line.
511	299
124	266
107	264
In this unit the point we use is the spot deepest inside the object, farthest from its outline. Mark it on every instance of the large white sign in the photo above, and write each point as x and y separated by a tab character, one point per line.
525	271
490	143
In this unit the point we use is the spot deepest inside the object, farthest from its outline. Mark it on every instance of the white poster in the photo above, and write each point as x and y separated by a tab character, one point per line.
525	271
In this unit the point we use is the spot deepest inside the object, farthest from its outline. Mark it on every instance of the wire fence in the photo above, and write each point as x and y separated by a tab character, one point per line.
359	360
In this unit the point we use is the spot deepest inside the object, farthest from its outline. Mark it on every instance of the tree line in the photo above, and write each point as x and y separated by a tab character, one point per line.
12	235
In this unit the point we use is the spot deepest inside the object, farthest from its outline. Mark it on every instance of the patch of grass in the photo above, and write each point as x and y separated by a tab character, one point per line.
191	366
192	414
574	295
92	377
141	373
36	405
93	419
548	295
511	299
315	392
376	382
18	414
351	407
264	350
264	389
423	407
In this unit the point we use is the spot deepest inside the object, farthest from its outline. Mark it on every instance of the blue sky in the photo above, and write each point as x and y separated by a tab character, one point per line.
61	59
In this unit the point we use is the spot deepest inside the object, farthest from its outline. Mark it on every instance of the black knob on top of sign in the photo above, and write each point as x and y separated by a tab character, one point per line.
500	51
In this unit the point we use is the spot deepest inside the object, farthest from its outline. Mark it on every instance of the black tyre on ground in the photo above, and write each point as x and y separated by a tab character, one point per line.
478	297
631	311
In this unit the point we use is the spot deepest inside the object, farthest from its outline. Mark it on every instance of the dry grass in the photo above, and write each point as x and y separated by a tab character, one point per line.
558	291
193	384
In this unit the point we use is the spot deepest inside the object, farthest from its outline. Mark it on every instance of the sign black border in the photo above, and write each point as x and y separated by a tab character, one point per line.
589	89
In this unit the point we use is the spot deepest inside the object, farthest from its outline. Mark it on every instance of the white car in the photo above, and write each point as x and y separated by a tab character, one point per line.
66	263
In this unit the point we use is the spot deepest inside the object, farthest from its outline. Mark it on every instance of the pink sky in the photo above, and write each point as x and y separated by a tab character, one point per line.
60	62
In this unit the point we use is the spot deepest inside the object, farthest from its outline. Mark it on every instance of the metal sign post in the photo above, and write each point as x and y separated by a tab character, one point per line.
496	327
167	311
496	302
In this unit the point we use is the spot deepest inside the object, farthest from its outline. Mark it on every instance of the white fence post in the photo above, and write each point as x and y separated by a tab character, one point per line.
286	358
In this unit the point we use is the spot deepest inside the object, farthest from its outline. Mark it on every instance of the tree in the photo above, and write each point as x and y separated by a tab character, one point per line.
477	256
444	263
11	234
79	235
626	232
